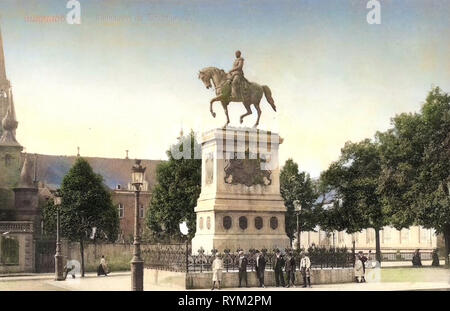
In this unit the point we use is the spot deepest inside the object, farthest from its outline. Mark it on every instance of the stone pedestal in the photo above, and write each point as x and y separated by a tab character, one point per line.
240	205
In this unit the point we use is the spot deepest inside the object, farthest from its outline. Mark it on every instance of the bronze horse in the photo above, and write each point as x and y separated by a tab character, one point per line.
252	95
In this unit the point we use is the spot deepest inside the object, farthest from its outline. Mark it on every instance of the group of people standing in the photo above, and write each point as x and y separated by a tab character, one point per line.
281	262
288	263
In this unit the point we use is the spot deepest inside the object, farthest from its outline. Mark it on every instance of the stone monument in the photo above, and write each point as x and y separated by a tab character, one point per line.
240	205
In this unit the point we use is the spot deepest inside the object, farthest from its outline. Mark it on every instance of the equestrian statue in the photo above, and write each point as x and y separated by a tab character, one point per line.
234	87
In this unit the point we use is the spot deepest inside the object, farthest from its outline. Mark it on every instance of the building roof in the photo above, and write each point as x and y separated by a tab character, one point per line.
327	199
52	169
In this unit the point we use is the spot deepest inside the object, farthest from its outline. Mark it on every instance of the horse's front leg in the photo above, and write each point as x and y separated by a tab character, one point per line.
225	108
217	98
259	115
249	112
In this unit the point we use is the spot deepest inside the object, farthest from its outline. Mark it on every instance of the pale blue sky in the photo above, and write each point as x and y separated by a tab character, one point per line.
107	87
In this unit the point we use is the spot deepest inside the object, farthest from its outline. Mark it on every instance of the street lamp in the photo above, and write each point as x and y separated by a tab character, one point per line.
298	209
185	231
137	264
58	257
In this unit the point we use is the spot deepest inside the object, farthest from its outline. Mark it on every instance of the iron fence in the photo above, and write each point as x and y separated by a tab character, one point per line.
402	256
176	257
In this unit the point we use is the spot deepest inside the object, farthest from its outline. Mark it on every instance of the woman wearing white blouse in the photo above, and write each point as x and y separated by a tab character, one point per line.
217	267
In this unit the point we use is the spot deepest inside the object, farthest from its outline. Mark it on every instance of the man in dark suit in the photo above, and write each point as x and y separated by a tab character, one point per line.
260	267
242	268
290	269
278	265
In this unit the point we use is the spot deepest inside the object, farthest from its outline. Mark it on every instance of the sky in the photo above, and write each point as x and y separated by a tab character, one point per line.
126	78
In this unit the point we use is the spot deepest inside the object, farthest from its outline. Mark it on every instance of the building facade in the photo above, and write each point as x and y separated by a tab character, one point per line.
392	241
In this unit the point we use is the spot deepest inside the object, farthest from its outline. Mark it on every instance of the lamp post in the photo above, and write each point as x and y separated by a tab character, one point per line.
58	257
353	248
298	209
184	231
137	264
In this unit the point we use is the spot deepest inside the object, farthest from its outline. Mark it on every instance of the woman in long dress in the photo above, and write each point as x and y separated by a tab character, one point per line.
102	267
217	267
359	269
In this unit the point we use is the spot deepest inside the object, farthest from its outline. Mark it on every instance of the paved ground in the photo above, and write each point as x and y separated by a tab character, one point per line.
390	279
426	263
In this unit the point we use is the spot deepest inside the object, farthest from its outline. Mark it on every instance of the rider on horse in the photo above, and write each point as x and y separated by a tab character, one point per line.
236	77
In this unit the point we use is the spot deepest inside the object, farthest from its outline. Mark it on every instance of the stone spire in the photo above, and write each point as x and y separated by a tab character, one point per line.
6	103
2	60
9	125
26	176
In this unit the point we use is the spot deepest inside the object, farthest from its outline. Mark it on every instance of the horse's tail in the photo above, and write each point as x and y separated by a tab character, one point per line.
269	98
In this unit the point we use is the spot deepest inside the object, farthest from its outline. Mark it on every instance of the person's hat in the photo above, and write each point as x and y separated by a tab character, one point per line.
241	252
257	251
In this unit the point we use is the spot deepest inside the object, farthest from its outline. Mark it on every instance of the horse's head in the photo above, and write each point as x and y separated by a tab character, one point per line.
205	76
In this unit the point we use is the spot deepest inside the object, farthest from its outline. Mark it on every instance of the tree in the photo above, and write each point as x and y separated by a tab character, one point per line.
176	192
86	204
354	178
416	167
296	185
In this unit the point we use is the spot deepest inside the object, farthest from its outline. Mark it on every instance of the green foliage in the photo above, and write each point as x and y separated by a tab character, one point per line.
175	195
296	185
354	178
48	213
416	164
86	203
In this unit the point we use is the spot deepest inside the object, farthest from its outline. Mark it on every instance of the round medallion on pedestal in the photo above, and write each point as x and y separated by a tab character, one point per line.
274	223
258	223
227	222
243	222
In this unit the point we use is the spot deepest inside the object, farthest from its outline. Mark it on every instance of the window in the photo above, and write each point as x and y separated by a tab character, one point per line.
121	210
424	236
387	234
405	235
8	159
370	236
323	237
141	211
341	239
